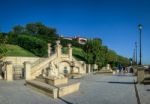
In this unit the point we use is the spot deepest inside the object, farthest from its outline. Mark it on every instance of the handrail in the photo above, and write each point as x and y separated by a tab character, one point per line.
42	64
37	62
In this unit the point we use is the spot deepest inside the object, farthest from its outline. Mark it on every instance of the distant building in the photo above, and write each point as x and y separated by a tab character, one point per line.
68	38
80	40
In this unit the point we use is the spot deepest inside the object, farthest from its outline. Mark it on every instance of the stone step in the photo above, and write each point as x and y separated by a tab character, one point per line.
43	88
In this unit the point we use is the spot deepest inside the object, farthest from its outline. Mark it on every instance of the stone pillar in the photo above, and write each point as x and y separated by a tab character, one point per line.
88	68
108	66
49	49
140	75
70	51
95	67
9	71
135	70
84	66
27	67
58	48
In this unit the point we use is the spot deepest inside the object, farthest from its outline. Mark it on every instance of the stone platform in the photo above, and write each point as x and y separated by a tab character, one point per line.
55	82
43	88
57	90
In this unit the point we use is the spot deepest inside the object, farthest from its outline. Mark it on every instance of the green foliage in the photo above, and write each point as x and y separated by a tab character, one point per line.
95	52
33	44
111	55
2	38
3	49
92	51
77	53
35	29
18	29
74	43
123	60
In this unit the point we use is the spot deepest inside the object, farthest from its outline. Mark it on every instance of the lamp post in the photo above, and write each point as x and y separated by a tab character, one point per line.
136	53
134	56
140	30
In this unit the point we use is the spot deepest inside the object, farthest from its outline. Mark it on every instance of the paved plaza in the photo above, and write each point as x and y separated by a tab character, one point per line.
94	89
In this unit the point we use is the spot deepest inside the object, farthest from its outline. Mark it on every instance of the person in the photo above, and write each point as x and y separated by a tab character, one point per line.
123	69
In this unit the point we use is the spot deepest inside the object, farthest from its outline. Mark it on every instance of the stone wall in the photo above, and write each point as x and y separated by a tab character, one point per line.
20	60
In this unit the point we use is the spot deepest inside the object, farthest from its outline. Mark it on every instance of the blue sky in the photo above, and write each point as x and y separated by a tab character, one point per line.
114	21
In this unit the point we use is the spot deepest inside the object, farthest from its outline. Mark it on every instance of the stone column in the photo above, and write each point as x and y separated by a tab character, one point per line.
58	48
70	51
88	68
140	74
27	67
135	70
108	66
9	71
84	66
49	49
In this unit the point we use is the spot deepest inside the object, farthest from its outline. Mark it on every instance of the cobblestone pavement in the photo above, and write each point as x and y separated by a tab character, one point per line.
94	89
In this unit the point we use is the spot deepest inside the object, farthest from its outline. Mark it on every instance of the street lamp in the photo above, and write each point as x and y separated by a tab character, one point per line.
136	52
140	30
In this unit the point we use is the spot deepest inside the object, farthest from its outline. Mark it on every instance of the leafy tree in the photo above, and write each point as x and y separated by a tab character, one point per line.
111	55
104	55
40	29
33	44
2	46
32	28
92	51
18	29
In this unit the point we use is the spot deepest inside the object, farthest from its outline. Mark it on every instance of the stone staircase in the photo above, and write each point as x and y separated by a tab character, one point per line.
18	72
38	66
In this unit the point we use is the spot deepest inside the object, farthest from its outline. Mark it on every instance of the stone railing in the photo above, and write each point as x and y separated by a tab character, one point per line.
38	62
43	64
64	56
80	64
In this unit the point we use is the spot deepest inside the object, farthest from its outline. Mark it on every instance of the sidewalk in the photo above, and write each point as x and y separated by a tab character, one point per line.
94	89
101	89
144	93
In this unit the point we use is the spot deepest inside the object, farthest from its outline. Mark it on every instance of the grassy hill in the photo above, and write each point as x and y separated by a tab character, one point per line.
14	50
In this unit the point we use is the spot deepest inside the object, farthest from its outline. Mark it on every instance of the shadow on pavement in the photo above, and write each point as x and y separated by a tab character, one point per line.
122	82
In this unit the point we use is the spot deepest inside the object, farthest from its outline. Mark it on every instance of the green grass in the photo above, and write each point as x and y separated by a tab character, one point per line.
14	50
77	53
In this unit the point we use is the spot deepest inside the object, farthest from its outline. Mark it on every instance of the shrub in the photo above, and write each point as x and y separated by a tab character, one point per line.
33	44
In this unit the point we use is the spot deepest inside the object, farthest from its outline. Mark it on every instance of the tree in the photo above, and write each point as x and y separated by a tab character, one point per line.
104	55
18	29
40	29
32	28
92	51
2	46
33	44
111	55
